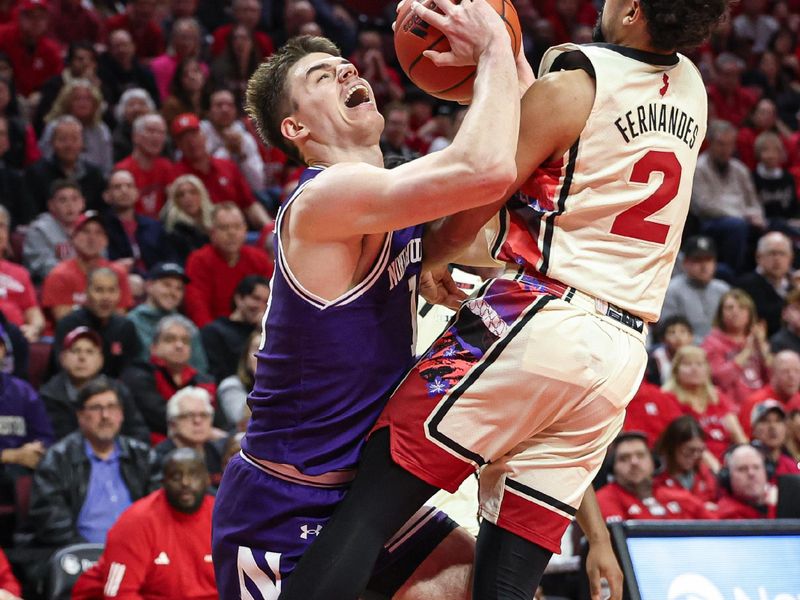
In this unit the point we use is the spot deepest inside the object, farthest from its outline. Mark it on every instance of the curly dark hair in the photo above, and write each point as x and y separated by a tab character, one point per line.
267	97
681	24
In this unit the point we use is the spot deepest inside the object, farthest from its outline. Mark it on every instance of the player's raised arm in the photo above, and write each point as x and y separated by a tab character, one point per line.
476	168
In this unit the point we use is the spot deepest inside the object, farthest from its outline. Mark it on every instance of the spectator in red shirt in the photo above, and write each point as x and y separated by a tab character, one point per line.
215	269
769	434
248	14
151	171
74	22
650	411
65	286
728	100
161	546
681	448
691	383
744	479
737	347
9	586
139	20
783	387
17	297
34	56
764	117
222	178
632	494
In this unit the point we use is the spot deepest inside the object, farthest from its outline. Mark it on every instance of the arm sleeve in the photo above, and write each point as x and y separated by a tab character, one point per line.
128	559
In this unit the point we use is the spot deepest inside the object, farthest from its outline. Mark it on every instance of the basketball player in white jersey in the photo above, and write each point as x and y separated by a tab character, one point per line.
529	384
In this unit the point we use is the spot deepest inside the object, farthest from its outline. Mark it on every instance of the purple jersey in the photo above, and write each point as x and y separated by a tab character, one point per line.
326	368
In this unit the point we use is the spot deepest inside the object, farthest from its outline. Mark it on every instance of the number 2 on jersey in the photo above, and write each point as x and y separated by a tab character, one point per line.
633	222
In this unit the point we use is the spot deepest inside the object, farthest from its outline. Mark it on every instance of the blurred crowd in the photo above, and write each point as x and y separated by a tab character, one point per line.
136	213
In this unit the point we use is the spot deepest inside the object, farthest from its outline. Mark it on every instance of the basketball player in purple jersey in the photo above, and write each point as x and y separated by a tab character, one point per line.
528	384
339	329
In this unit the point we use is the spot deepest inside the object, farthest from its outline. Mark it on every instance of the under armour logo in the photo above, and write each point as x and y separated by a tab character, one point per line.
663	90
306	531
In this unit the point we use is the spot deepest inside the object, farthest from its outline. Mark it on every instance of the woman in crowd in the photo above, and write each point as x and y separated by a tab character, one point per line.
232	69
84	101
691	382
737	347
233	390
681	448
134	103
185	43
187	215
189	91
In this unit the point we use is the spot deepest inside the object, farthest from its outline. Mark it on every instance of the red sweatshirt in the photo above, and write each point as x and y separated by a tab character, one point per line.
210	291
154	552
618	504
8	582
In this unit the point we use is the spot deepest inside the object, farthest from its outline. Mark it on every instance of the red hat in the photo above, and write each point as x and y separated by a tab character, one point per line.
29	5
183	123
81	332
86	217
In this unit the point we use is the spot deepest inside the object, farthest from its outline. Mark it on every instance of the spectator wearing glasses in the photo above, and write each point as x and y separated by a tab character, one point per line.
89	478
189	417
154	382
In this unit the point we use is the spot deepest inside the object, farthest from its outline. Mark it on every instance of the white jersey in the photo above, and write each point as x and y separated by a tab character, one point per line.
607	217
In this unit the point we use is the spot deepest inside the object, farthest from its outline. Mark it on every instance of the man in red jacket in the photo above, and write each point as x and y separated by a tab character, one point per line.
216	269
632	494
160	548
34	56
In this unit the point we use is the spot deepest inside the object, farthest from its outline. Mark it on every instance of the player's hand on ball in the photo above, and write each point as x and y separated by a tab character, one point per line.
437	287
470	27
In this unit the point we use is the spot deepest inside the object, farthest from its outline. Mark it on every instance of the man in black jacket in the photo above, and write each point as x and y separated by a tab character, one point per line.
81	360
86	480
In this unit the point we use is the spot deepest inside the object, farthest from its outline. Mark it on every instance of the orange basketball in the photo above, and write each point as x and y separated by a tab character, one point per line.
413	35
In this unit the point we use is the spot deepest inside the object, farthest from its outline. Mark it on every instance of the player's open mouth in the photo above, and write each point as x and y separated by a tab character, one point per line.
358	94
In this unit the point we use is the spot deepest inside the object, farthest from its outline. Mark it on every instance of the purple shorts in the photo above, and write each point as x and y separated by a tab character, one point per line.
263	524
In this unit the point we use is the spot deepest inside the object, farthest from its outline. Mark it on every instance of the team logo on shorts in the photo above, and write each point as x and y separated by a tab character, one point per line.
306	531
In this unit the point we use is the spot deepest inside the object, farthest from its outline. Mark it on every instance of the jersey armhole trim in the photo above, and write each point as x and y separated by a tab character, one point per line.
319	302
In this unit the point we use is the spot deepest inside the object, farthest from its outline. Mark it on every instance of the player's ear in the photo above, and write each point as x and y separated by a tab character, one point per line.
634	12
293	130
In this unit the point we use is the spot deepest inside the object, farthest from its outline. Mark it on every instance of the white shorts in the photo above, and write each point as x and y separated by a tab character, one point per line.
528	385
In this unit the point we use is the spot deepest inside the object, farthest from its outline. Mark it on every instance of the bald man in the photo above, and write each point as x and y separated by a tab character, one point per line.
161	546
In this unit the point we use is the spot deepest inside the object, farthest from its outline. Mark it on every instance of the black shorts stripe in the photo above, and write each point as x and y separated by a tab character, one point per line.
473	376
560	208
540	496
501	232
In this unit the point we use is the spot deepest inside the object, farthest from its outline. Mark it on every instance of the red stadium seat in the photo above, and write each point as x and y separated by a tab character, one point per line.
38	362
